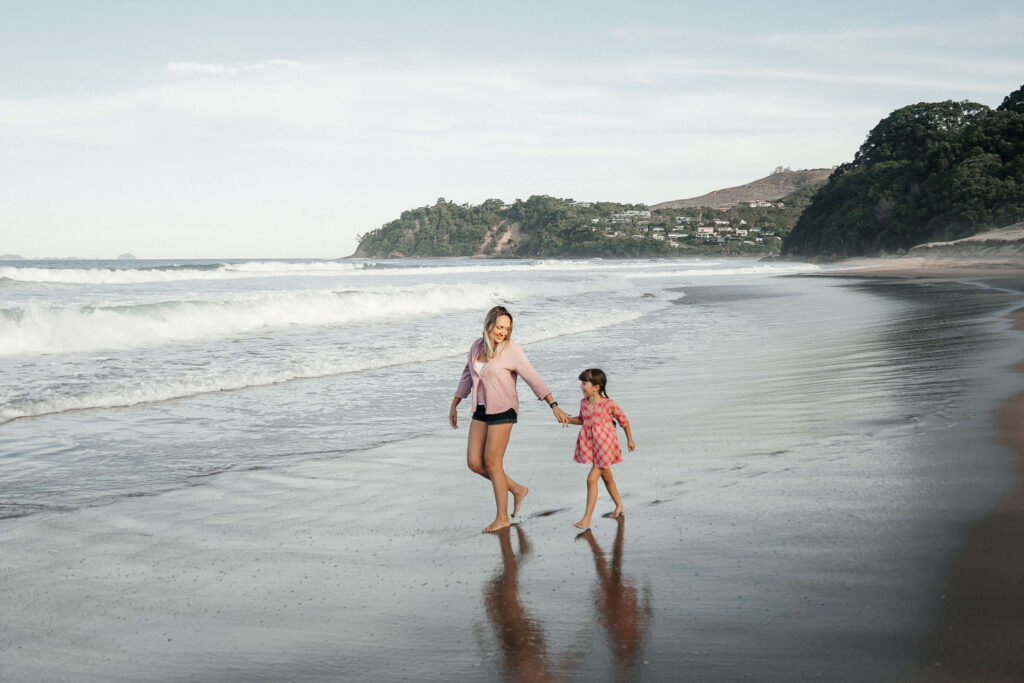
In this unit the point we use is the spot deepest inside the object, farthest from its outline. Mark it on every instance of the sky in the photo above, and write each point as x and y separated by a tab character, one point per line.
256	129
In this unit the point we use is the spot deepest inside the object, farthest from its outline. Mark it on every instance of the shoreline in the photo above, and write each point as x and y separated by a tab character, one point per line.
980	632
812	542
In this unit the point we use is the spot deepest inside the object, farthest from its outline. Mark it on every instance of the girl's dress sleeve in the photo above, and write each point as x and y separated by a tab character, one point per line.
619	416
529	375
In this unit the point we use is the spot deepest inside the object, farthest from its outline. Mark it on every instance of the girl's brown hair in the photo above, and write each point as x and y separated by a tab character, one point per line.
596	377
489	322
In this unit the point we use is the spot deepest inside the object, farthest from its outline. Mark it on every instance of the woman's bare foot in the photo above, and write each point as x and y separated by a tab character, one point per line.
582	524
617	513
497	525
517	498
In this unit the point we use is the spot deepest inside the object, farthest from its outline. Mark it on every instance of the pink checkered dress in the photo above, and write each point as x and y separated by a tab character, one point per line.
598	443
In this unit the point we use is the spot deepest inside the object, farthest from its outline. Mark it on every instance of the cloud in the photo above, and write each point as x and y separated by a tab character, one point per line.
646	33
199	69
834	40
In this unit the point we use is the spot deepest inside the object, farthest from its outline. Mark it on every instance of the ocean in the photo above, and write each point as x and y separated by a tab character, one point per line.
127	378
242	470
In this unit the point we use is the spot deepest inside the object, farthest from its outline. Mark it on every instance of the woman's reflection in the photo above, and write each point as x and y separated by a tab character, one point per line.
624	619
524	650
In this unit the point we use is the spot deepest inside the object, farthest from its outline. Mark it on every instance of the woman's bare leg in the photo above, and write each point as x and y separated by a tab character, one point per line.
475	462
494	455
613	491
595	474
475	447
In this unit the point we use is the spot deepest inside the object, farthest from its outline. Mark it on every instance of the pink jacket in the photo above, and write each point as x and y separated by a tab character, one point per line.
495	385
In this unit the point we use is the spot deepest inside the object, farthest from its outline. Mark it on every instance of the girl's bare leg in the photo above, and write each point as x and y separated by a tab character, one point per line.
475	461
613	491
494	455
595	474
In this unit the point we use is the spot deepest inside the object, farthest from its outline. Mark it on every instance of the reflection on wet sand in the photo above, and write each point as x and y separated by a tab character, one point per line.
523	653
619	609
522	644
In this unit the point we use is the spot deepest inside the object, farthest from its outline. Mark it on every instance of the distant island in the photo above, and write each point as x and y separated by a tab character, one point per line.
126	257
750	219
11	257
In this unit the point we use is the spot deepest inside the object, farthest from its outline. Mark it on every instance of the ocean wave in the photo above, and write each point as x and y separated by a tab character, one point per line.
133	391
38	330
420	267
173	272
118	382
784	268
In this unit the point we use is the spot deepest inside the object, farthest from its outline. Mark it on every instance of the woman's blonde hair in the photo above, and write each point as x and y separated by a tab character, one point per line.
489	322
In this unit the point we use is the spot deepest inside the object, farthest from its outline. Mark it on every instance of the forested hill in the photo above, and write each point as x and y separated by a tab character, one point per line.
544	226
928	172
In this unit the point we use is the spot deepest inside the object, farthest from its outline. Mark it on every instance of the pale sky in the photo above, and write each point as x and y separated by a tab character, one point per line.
255	129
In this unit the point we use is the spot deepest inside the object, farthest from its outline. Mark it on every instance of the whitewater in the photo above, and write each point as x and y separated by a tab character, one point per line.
128	377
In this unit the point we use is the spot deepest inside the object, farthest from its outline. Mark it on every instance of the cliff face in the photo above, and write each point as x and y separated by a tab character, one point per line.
770	189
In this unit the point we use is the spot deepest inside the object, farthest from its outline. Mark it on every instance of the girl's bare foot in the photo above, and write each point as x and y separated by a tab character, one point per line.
497	525
517	498
582	524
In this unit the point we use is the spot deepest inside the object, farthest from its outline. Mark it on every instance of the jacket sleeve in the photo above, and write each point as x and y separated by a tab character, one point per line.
619	416
466	381
465	384
529	375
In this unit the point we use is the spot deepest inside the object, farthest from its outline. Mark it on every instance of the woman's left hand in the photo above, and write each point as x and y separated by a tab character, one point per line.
561	416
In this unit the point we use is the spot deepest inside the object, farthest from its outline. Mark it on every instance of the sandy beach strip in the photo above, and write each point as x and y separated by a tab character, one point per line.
981	634
795	541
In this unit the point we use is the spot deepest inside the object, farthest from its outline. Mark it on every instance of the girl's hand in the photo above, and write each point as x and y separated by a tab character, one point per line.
561	416
631	445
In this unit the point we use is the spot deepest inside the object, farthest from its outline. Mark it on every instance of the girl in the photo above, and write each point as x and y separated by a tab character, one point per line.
598	444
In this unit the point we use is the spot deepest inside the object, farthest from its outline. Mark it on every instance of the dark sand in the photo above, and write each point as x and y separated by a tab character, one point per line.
981	633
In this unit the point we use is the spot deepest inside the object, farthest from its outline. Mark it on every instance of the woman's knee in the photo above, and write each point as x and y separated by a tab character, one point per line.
493	465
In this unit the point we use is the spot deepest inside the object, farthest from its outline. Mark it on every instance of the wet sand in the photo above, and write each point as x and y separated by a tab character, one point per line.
774	564
981	634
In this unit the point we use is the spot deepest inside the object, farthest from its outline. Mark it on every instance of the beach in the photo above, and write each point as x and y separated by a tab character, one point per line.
981	631
826	486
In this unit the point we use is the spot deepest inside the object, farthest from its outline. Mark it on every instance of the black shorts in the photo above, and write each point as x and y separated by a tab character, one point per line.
507	417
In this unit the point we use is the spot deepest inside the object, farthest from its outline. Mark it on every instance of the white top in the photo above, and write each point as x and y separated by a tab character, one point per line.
479	366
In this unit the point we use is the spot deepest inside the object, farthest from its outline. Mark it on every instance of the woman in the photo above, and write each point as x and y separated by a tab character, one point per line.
494	364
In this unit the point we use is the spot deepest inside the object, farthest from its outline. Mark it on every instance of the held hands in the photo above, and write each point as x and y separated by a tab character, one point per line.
562	416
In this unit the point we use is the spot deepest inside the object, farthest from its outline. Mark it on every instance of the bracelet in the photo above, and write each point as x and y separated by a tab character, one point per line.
553	404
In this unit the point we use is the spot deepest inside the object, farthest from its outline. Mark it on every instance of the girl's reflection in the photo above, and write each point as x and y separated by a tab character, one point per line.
624	619
524	650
